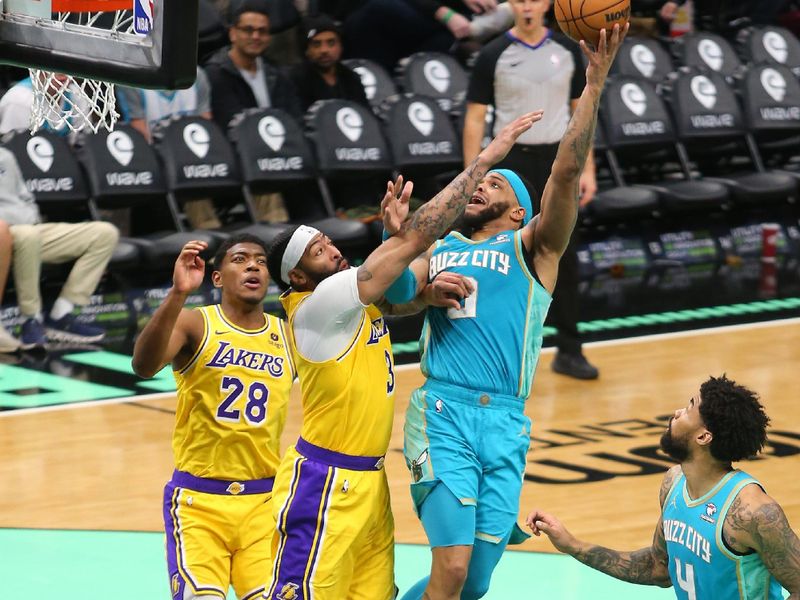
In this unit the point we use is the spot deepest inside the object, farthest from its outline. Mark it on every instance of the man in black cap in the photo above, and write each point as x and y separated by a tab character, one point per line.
321	75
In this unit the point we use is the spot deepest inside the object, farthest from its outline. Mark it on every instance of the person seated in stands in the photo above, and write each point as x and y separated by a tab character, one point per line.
16	104
240	77
90	244
322	76
146	110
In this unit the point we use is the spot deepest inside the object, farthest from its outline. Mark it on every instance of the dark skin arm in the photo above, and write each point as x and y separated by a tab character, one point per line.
647	566
755	522
546	236
432	219
173	333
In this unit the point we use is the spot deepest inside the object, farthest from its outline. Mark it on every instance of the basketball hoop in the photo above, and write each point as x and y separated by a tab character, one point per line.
64	102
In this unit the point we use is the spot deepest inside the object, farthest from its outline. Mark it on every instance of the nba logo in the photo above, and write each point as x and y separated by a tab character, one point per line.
143	16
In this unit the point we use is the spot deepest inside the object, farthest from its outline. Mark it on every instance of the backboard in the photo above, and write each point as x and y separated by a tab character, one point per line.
141	43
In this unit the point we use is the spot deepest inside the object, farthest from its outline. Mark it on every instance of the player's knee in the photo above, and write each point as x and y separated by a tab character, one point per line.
453	570
106	233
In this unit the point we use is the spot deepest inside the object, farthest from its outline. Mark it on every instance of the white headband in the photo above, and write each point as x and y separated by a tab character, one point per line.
295	249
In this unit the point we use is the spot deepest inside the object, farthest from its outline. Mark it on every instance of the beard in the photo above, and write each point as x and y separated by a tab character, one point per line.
471	222
318	276
675	448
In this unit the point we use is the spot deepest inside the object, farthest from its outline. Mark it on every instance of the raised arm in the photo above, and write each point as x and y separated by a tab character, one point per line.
547	234
173	333
434	217
756	521
648	566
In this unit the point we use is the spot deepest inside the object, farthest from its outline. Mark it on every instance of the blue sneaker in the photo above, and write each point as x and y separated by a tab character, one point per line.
32	334
69	329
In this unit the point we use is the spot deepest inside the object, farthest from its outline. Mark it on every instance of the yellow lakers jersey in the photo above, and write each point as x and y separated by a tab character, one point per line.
348	401
232	400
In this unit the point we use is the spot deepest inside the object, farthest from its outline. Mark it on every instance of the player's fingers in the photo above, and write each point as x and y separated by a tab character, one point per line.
585	49
398	184
601	45
408	189
543	526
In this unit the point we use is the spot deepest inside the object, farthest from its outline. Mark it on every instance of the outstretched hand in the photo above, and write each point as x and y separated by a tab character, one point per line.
599	60
394	206
499	147
542	522
190	268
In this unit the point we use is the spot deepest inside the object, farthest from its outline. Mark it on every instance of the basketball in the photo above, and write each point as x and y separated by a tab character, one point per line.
583	19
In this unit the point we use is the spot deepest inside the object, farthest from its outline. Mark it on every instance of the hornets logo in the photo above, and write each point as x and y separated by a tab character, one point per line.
416	465
289	592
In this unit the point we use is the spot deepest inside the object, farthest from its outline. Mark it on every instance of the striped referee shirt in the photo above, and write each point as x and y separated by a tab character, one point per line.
516	78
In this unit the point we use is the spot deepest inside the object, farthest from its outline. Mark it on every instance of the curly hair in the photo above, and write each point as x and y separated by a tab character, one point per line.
239	238
275	256
735	418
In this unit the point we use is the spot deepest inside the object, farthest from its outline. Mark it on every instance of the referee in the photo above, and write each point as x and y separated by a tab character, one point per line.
529	68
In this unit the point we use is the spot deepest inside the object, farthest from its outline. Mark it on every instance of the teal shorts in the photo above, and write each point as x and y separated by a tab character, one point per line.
476	443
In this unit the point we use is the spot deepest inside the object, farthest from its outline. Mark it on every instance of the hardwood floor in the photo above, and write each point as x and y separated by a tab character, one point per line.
592	460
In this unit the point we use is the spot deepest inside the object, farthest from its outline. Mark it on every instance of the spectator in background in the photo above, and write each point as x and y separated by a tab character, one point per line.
145	110
721	16
387	30
8	343
531	68
16	104
89	244
240	78
322	75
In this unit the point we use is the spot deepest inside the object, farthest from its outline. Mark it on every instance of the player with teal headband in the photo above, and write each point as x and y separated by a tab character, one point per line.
487	288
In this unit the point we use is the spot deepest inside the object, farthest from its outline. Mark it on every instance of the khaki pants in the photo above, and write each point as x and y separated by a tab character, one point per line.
92	243
201	214
270	208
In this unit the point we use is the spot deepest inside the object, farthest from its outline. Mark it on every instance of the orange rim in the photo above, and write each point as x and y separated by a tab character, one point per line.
91	5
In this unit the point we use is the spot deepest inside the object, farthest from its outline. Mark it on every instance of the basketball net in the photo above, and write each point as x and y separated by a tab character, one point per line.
62	102
66	103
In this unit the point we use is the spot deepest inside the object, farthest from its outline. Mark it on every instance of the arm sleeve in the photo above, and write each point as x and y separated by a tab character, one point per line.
481	82
404	288
203	92
327	320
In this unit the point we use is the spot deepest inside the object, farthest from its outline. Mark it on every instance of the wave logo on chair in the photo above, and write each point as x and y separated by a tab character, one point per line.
272	132
711	53
634	98
774	84
197	139
704	90
350	123
120	145
644	60
437	74
776	45
421	117
41	153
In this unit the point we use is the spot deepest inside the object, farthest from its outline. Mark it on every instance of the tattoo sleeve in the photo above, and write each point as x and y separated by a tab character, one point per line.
772	537
433	218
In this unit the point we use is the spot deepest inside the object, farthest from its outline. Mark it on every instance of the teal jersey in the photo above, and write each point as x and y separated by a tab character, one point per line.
701	566
492	344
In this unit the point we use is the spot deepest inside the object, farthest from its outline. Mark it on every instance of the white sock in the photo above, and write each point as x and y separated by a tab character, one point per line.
61	308
37	316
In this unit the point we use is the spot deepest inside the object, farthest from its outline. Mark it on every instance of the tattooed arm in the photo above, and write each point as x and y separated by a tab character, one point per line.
548	233
647	566
756	522
434	218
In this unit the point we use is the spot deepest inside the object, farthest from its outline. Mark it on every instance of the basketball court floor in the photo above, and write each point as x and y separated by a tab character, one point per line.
81	478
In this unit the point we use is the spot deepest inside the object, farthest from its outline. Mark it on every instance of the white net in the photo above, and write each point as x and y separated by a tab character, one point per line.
63	102
66	103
